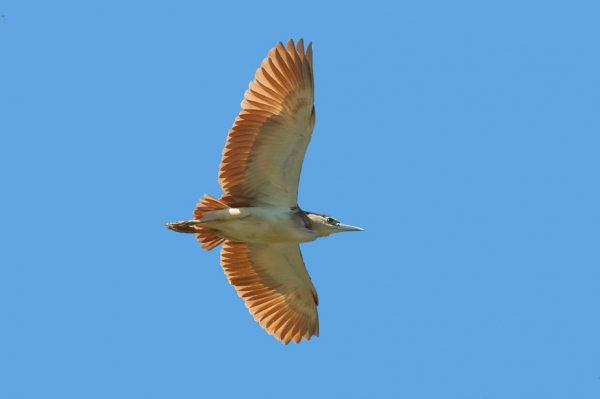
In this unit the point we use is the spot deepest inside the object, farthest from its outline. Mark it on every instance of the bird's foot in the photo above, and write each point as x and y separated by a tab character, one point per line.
185	226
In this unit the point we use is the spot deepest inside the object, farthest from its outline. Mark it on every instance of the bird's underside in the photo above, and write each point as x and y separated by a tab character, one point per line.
257	219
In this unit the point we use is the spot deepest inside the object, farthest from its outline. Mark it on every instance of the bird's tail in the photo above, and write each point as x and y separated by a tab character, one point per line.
208	240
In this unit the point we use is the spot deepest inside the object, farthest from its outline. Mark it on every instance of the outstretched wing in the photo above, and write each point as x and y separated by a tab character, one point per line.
275	286
265	148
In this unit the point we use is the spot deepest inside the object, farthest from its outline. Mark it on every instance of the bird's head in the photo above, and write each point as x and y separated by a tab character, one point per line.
326	225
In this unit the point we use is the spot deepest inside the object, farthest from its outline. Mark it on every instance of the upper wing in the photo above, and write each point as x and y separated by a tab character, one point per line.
276	287
265	148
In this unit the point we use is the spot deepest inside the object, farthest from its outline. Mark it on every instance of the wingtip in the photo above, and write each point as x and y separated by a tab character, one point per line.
298	46
290	45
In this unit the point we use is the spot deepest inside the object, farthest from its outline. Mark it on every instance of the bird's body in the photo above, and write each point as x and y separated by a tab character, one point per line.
257	219
260	225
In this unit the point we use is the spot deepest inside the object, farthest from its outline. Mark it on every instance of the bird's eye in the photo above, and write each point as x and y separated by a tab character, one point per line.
331	221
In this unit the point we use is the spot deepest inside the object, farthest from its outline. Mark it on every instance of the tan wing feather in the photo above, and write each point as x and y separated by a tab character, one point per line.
265	148
275	286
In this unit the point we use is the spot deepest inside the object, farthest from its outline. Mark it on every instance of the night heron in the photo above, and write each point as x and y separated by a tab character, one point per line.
258	219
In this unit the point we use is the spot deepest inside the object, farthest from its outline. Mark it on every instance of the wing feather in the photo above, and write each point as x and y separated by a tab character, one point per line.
275	286
265	148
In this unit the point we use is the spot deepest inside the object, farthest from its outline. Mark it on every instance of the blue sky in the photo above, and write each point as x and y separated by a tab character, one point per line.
464	137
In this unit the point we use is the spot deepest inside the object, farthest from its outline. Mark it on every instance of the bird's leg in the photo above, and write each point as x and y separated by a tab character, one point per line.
189	226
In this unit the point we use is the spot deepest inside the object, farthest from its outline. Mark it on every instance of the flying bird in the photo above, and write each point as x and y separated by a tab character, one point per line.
258	219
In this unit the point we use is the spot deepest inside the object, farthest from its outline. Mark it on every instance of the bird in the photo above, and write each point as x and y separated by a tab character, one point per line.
257	219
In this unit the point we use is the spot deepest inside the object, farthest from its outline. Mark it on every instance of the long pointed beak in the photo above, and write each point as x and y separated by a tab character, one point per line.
347	227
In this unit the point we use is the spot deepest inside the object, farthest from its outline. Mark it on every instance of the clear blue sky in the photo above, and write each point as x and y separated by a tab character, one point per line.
463	136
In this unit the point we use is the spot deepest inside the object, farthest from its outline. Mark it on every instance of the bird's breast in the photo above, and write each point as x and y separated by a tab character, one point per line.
266	225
